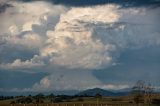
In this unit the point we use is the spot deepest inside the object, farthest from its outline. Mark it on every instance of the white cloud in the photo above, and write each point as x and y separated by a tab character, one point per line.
70	80
29	40
15	90
90	37
22	16
19	64
72	38
96	14
114	86
23	27
43	85
73	80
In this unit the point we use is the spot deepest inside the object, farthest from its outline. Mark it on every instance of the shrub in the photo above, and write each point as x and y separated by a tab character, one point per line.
56	100
156	101
80	99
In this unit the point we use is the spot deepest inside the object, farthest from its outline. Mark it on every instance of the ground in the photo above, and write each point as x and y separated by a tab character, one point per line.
85	101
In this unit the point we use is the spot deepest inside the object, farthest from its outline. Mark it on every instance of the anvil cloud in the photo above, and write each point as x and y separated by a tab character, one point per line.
55	37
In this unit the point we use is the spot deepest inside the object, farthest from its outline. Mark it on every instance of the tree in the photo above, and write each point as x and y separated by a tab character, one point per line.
51	97
28	100
138	91
139	87
29	95
98	97
137	99
142	92
1	97
148	93
12	103
40	95
58	99
39	98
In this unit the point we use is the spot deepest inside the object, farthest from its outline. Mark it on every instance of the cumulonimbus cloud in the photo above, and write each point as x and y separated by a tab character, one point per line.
89	37
85	42
85	38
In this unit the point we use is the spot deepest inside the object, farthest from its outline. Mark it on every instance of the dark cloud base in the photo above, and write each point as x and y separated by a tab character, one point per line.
125	3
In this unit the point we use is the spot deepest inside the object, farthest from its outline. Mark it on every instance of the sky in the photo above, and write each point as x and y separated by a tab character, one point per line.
48	45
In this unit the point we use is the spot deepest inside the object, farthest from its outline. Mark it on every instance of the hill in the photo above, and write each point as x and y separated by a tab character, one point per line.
94	91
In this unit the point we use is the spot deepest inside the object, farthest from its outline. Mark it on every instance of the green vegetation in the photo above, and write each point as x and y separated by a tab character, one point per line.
64	100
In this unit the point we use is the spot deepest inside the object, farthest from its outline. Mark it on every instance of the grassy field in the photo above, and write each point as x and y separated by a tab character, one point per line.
85	101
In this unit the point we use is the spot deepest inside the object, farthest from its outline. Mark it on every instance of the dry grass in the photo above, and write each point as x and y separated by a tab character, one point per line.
89	101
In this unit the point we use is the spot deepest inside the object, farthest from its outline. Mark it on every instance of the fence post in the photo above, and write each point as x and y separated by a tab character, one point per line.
82	104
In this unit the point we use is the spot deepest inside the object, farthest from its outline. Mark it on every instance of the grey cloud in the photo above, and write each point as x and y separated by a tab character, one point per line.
21	80
82	3
137	64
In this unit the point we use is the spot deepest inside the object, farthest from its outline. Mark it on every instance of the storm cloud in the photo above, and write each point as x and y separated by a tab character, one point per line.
68	41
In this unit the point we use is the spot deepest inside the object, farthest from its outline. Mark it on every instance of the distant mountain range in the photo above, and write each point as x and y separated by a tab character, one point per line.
88	92
94	91
67	92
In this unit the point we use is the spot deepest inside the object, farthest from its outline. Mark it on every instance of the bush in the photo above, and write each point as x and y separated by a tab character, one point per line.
28	100
39	101
12	102
138	99
21	100
24	100
156	101
116	99
56	100
80	99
